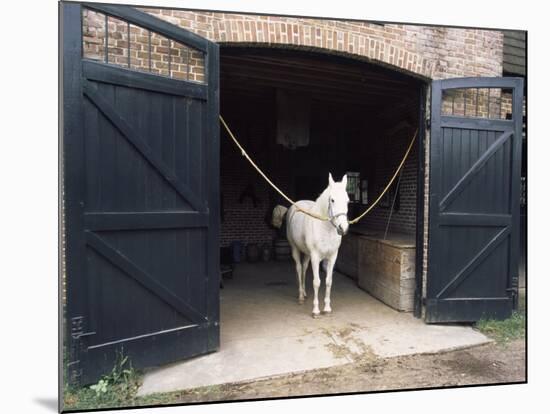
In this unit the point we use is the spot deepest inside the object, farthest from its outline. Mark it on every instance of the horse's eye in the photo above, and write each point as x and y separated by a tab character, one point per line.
332	200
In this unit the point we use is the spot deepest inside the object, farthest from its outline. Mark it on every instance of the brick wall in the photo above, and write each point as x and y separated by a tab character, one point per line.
245	218
432	52
388	155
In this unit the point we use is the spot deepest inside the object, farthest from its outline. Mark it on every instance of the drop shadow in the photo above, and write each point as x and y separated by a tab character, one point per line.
48	402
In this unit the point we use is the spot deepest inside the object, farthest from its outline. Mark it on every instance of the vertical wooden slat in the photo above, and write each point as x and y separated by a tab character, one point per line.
469	161
419	253
168	147
499	201
492	172
92	154
156	133
107	167
435	189
464	165
126	155
212	158
196	128
482	175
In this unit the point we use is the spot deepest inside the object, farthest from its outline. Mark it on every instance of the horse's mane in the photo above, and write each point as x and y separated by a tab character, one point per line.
321	201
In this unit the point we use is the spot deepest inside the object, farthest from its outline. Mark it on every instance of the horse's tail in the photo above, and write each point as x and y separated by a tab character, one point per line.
278	216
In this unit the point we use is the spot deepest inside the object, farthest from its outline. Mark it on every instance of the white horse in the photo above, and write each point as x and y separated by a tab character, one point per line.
317	240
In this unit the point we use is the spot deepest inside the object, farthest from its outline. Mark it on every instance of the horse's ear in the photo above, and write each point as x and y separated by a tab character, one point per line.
330	180
345	180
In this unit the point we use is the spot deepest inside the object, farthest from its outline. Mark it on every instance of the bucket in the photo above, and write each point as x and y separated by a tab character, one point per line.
252	252
236	250
266	252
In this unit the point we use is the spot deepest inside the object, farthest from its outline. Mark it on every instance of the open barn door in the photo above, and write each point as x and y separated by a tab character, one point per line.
140	177
475	155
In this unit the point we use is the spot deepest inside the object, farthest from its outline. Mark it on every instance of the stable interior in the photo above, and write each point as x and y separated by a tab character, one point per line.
360	118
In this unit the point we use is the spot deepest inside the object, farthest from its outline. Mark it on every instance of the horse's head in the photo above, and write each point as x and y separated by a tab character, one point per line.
338	204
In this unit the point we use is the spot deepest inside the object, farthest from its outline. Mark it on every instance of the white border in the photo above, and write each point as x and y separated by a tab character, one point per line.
28	214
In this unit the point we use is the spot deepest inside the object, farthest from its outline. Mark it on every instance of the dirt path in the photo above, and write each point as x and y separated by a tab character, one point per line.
492	363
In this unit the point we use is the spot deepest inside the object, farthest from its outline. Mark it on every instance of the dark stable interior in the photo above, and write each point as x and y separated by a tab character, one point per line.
361	118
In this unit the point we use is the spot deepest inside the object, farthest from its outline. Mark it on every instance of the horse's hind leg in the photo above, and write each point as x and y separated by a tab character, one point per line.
305	264
298	261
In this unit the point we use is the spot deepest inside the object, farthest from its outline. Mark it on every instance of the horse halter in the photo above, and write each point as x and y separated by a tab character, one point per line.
332	216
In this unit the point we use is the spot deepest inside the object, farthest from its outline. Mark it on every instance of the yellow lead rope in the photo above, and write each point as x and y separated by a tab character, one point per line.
309	213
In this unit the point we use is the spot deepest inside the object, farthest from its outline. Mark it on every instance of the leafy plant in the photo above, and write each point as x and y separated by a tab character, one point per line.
118	388
100	387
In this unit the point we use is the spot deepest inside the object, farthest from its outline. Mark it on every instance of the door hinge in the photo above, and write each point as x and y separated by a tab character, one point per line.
513	292
75	349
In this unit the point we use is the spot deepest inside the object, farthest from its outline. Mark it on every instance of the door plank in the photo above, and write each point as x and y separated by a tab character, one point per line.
473	263
476	168
144	220
140	144
131	269
116	75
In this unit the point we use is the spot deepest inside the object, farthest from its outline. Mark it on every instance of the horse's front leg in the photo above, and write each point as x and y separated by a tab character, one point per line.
328	284
316	283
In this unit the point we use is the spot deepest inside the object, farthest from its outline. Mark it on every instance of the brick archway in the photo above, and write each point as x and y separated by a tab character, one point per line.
388	45
405	69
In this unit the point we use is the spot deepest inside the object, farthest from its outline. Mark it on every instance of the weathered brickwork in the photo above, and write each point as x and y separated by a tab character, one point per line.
387	156
432	52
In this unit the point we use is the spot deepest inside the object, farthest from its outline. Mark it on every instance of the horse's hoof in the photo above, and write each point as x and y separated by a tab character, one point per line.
329	312
301	301
315	315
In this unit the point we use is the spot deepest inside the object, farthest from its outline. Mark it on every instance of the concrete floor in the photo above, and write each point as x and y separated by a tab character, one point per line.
265	332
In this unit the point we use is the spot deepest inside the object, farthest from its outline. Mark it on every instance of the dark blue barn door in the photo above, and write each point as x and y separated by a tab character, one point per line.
140	160
475	155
